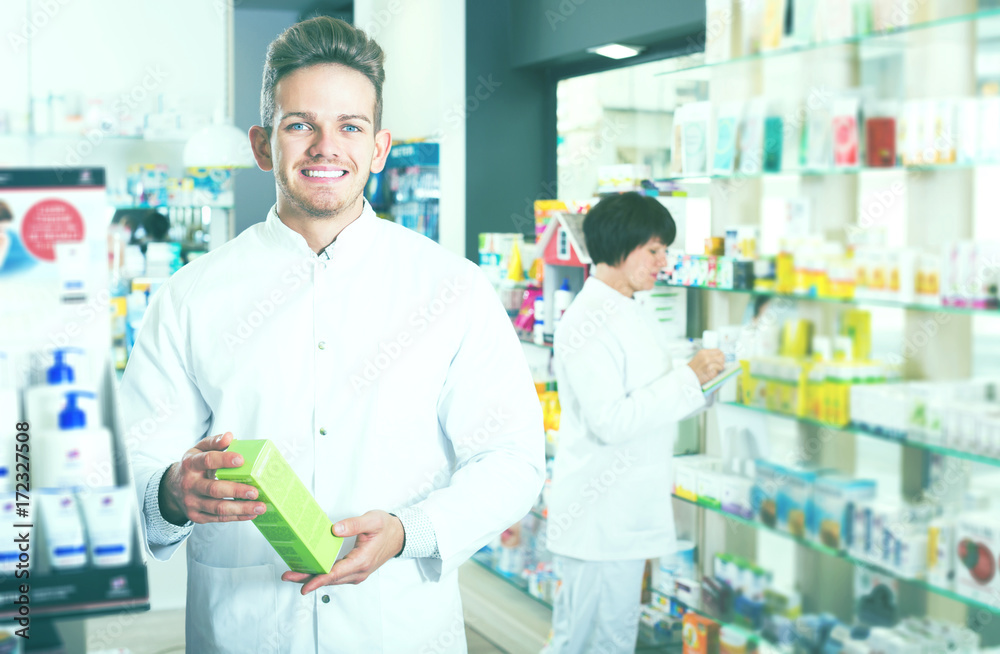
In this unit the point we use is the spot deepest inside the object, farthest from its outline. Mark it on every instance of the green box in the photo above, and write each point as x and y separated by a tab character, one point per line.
294	524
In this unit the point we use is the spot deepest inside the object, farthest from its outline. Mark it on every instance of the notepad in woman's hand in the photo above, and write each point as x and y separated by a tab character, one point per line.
727	373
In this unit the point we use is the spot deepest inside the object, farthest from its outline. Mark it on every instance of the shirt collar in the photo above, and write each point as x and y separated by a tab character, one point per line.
606	291
351	240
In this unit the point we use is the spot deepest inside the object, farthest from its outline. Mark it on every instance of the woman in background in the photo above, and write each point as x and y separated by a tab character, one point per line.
609	505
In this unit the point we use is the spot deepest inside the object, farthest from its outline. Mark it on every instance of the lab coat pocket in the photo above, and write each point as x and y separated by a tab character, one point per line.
232	609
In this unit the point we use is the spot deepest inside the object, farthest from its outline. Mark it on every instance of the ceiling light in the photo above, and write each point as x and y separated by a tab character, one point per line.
616	50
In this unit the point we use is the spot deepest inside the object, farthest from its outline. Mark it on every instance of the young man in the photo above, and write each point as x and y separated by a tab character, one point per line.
383	367
621	398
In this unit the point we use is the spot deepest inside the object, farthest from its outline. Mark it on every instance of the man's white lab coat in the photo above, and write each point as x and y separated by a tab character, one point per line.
389	376
621	400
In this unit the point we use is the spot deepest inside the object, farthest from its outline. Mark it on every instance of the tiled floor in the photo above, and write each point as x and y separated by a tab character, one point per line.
499	619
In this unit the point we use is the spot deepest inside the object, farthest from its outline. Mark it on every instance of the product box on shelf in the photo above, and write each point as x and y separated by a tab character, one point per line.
977	546
769	481
737	495
687	470
942	554
796	508
835	500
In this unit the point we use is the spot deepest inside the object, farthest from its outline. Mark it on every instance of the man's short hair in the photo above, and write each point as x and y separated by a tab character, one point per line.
618	224
5	213
321	40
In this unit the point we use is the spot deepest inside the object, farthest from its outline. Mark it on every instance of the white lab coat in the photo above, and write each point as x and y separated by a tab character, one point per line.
403	356
621	400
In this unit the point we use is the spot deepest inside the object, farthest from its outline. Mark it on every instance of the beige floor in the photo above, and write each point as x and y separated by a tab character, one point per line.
499	619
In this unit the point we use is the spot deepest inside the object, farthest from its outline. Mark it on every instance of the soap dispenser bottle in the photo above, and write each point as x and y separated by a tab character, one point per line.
44	402
74	455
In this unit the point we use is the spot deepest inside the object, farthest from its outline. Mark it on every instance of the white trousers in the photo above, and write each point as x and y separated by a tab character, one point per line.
597	606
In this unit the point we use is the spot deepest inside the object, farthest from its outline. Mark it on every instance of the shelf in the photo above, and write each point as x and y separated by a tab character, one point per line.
937	449
920	583
528	341
180	140
891	304
696	68
485	560
808	172
85	592
750	634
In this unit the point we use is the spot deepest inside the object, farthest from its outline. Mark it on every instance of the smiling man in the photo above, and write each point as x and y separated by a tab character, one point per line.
427	458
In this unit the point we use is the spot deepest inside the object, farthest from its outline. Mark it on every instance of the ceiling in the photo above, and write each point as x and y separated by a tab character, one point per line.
328	6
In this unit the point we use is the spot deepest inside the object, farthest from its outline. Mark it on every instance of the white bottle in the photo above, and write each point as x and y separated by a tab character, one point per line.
564	296
539	330
73	455
44	402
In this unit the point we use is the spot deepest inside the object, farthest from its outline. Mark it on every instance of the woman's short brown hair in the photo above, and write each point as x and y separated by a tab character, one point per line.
321	40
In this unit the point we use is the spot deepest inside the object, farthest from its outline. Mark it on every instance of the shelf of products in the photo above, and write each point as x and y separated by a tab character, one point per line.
915	169
936	449
908	306
485	559
889	37
920	583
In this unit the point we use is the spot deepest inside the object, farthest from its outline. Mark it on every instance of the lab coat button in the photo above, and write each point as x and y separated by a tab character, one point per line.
322	431
326	599
322	345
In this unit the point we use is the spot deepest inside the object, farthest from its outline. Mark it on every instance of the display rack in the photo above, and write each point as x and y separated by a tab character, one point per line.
897	38
949	56
828	551
908	442
859	302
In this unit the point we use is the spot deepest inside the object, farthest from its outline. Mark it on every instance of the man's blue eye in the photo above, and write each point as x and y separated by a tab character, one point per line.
296	126
352	128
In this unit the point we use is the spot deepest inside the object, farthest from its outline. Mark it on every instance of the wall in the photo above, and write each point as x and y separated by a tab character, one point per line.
506	133
254	29
424	92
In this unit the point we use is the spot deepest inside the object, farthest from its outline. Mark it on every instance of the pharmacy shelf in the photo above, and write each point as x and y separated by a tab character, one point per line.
86	592
829	551
76	136
937	449
528	341
485	560
750	634
814	172
694	66
909	306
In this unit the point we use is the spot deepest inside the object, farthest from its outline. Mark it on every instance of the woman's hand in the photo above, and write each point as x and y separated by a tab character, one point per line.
707	364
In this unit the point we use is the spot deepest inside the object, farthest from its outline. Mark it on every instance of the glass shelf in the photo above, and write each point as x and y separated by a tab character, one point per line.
177	140
748	633
920	583
485	560
937	449
528	341
695	67
891	304
823	172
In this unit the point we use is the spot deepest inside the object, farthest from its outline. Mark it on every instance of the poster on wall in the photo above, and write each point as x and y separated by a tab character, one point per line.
53	255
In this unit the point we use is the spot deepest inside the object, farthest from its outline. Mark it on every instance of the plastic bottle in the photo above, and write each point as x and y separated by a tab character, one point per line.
44	402
73	455
538	332
564	296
